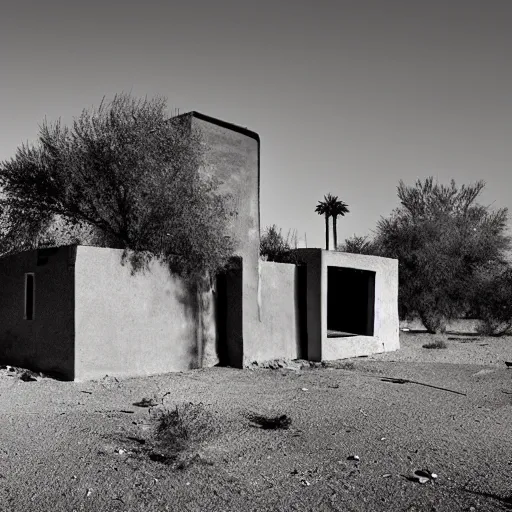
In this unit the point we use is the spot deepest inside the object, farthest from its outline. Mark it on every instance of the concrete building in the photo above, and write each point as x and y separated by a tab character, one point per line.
352	304
79	312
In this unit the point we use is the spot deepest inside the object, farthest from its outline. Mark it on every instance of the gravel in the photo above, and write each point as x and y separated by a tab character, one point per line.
83	446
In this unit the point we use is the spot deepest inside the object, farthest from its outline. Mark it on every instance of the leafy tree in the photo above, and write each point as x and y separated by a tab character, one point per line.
123	175
440	236
331	206
275	247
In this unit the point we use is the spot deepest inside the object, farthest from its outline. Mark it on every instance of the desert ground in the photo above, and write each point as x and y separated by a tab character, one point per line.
349	441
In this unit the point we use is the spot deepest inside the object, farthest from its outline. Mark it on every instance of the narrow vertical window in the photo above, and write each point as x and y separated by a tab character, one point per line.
29	296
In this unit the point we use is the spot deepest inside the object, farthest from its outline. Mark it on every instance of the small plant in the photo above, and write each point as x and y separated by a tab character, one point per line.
181	430
436	344
275	247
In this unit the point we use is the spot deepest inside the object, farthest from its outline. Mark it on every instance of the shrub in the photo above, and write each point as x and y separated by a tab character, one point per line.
274	247
492	299
436	344
180	430
359	245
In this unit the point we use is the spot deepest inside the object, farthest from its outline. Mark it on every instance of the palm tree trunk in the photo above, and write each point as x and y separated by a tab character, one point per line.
335	231
326	232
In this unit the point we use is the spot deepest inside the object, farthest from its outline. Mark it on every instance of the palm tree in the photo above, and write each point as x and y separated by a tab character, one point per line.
322	208
337	208
331	206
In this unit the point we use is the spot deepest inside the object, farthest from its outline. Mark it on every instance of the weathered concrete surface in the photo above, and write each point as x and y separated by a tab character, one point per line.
234	158
278	331
140	324
45	343
386	325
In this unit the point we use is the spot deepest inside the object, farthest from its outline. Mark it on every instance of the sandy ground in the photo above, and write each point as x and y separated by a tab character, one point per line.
66	446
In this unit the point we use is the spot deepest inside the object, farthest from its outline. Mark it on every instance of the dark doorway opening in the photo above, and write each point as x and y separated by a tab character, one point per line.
350	302
302	306
229	319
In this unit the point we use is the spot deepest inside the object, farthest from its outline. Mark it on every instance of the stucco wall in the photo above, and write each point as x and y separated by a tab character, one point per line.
233	157
138	324
46	342
278	332
386	324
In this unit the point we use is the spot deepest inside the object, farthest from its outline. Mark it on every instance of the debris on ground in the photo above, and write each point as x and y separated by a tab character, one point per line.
28	376
271	422
146	402
408	381
23	374
421	476
425	474
278	364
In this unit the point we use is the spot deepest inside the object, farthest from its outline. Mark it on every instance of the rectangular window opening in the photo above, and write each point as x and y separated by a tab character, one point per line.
350	302
30	284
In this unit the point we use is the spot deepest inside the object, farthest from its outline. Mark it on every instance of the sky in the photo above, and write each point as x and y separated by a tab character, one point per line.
348	96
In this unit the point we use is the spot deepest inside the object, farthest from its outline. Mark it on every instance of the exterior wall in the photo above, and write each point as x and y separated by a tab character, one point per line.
279	330
233	157
386	324
142	324
45	343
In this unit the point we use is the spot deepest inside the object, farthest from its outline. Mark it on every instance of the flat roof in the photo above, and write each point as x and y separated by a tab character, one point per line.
223	124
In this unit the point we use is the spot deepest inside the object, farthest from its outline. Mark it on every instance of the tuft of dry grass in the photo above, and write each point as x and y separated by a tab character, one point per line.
436	344
180	431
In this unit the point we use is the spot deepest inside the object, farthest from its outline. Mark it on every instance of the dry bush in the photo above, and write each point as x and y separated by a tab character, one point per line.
180	431
436	344
275	247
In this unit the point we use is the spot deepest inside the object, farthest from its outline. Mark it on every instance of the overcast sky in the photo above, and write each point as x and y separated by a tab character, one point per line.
348	96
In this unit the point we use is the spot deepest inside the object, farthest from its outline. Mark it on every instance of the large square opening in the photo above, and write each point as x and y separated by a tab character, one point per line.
350	302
